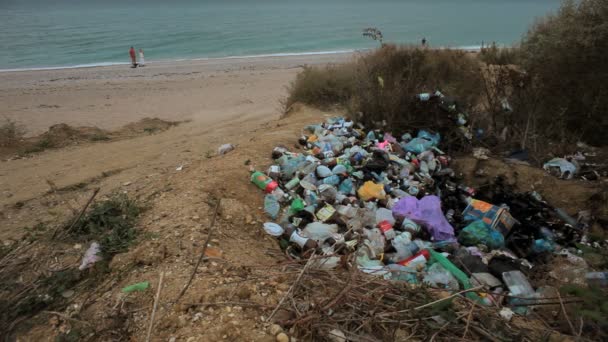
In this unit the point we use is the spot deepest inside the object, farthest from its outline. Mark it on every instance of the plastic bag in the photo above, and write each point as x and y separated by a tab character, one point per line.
323	171
320	231
426	212
225	149
273	229
346	187
371	190
566	168
423	142
439	277
90	256
290	164
478	233
271	206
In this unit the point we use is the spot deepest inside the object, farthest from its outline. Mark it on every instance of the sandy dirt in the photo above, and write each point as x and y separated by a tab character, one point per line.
222	98
177	176
205	91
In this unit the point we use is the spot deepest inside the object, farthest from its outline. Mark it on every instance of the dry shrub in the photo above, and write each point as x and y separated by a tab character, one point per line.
11	133
382	85
322	87
565	55
389	79
494	55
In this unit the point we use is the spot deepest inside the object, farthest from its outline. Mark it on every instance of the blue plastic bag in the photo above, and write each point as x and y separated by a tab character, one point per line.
479	233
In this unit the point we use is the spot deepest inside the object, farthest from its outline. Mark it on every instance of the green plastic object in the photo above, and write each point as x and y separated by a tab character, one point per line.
136	287
297	205
456	272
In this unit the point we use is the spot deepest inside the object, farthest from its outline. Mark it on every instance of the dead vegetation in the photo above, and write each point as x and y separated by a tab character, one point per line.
13	139
543	96
38	276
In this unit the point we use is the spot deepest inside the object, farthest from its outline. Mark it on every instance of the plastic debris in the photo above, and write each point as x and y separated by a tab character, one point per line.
136	287
394	202
225	149
91	256
566	169
479	233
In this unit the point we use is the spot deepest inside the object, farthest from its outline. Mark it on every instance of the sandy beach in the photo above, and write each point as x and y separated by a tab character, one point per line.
109	97
220	98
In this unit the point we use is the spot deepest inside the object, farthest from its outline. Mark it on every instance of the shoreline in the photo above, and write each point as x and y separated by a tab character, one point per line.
109	97
466	48
188	60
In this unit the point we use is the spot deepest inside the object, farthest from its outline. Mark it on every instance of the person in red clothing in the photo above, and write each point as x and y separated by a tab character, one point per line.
133	60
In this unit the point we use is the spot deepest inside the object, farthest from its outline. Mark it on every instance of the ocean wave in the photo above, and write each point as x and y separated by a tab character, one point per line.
282	54
164	61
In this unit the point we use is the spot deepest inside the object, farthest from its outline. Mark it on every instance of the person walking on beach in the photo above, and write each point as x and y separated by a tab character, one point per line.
132	54
142	61
423	41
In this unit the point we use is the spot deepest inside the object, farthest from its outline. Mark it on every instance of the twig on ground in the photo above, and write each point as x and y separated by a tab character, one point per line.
446	298
202	256
249	304
466	329
95	192
561	303
291	288
160	286
67	317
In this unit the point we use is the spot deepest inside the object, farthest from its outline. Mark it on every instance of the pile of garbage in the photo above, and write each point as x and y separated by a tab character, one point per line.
397	206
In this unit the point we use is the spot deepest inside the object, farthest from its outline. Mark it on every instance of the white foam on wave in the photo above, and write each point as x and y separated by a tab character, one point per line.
77	66
102	64
283	54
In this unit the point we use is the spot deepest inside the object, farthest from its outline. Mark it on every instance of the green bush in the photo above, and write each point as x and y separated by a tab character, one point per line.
111	223
565	55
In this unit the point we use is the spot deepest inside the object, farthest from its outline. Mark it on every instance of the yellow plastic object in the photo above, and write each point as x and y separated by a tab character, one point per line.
371	190
313	138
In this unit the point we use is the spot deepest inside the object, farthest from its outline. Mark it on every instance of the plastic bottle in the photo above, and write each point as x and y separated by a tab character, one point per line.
387	229
384	214
404	246
456	272
274	171
263	182
303	242
294	182
410	226
518	284
419	258
376	240
449	215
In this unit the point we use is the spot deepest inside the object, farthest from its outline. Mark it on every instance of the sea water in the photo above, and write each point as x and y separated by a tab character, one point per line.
68	33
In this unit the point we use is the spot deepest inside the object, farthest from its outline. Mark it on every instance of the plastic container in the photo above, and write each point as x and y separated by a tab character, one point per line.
419	258
263	182
387	229
518	284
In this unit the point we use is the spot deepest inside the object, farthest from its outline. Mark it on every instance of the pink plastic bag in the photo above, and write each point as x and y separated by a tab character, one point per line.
426	212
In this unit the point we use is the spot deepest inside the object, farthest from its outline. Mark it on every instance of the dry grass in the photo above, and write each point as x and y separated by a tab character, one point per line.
11	133
322	87
565	55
